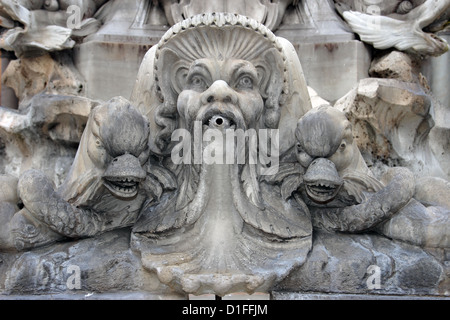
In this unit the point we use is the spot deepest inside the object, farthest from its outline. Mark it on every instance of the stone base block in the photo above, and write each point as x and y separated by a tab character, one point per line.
339	266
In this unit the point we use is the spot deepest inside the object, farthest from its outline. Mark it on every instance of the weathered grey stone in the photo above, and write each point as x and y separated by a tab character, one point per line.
436	70
104	264
109	59
392	120
276	295
46	26
110	68
314	21
425	227
44	135
344	64
104	189
341	264
325	45
50	74
139	214
7	96
266	12
343	195
221	209
382	7
395	65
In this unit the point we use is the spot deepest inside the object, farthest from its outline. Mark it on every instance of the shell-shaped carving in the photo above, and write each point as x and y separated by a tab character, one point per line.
404	7
222	40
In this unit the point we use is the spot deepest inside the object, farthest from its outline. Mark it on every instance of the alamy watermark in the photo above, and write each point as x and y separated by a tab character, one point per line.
373	282
229	146
74	280
374	9
74	19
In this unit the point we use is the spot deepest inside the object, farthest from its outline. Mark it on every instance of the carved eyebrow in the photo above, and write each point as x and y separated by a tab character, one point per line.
200	67
243	68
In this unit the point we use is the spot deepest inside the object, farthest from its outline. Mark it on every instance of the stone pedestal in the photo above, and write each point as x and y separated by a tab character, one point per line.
437	71
333	60
109	59
105	267
334	68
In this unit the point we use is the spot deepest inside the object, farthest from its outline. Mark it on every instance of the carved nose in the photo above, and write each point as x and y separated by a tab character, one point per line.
219	91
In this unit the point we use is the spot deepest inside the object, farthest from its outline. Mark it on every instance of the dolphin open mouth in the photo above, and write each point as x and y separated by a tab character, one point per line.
322	191
123	175
322	181
122	187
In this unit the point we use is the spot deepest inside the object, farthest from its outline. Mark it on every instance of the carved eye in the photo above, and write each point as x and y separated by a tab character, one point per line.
302	157
245	82
98	143
197	82
342	146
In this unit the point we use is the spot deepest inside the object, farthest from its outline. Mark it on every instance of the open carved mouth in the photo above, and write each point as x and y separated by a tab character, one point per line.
123	175
219	122
322	191
322	181
221	117
122	187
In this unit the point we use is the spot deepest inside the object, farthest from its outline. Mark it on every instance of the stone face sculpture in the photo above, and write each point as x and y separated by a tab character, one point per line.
408	23
103	191
221	230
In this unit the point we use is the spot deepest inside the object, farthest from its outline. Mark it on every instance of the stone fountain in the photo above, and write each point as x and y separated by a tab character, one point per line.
172	149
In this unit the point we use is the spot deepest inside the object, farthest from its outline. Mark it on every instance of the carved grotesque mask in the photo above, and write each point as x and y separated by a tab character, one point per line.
228	88
224	69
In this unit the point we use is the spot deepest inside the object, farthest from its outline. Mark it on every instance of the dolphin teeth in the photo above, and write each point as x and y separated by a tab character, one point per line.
126	186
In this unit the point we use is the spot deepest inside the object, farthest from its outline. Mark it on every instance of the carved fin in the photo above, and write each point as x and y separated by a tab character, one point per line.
152	218
188	180
378	30
251	186
358	184
280	219
290	184
284	170
152	187
164	176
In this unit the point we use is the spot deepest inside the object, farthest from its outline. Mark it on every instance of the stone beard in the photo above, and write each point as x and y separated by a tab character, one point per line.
221	230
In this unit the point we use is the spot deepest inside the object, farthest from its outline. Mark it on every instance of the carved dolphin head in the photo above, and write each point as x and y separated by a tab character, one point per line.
112	152
326	149
122	141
